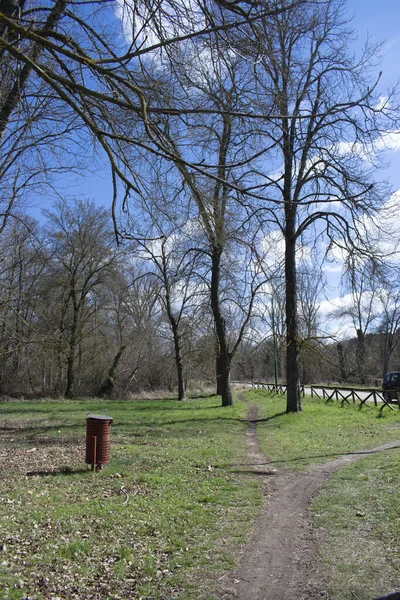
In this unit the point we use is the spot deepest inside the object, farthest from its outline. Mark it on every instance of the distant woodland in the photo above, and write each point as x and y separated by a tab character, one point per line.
81	315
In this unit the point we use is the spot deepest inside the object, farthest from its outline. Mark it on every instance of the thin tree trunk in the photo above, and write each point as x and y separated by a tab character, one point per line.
176	335
108	385
361	355
342	362
179	363
218	374
69	391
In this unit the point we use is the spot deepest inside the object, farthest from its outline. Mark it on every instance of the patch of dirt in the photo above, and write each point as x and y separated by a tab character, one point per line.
280	560
42	459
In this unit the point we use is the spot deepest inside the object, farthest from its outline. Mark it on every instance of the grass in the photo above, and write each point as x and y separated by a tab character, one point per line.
166	518
167	508
358	522
321	431
357	514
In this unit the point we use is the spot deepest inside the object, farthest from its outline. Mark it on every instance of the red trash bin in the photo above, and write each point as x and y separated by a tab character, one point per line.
98	436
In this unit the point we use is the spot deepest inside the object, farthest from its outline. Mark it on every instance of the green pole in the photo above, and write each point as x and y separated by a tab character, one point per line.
275	347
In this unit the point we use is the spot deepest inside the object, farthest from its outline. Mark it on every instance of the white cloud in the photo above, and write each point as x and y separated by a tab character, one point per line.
389	141
383	103
333	268
173	19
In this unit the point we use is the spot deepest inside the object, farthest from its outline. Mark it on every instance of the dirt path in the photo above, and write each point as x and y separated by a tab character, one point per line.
279	562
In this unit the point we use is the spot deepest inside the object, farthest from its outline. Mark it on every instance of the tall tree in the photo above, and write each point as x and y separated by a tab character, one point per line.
211	153
83	250
173	268
362	280
388	326
326	118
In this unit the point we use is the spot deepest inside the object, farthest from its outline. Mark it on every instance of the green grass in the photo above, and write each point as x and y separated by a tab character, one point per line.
165	511
358	520
321	431
357	513
166	518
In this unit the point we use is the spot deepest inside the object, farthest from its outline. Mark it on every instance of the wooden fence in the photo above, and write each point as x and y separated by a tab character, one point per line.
342	395
281	388
332	393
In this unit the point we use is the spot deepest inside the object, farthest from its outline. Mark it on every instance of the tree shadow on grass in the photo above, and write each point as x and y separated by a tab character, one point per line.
63	471
264	420
332	455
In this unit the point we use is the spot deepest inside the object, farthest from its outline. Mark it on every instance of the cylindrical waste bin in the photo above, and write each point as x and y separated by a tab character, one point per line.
98	434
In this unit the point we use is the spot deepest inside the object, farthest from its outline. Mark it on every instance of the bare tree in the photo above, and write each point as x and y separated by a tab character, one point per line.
224	229
89	58
177	291
310	285
83	249
325	121
23	263
388	327
361	279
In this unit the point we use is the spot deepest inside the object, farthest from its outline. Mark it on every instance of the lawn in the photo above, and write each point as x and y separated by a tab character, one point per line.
167	517
161	521
321	431
357	514
357	517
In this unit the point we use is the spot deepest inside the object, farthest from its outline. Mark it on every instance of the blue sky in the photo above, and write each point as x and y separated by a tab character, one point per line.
380	19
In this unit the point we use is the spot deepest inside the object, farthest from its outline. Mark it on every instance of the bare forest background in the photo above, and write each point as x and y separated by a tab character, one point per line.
81	315
243	141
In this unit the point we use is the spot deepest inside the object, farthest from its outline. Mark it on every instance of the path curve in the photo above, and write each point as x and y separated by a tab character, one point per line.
279	561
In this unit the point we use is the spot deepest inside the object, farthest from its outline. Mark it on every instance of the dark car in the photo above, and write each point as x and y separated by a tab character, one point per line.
391	385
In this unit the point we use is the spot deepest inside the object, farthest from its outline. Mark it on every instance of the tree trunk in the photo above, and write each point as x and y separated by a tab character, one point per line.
224	358
179	364
361	355
388	349
218	373
174	322
225	380
292	342
69	391
107	386
342	363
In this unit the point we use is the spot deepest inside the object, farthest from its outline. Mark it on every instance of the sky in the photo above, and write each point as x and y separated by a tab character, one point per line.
380	20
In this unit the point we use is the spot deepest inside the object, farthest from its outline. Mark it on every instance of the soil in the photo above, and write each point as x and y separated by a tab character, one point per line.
280	560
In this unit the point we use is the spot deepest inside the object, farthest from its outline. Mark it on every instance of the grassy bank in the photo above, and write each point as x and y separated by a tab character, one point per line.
166	511
358	524
166	518
356	515
321	431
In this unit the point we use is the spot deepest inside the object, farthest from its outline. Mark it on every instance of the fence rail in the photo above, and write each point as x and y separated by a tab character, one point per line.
333	393
330	394
280	388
